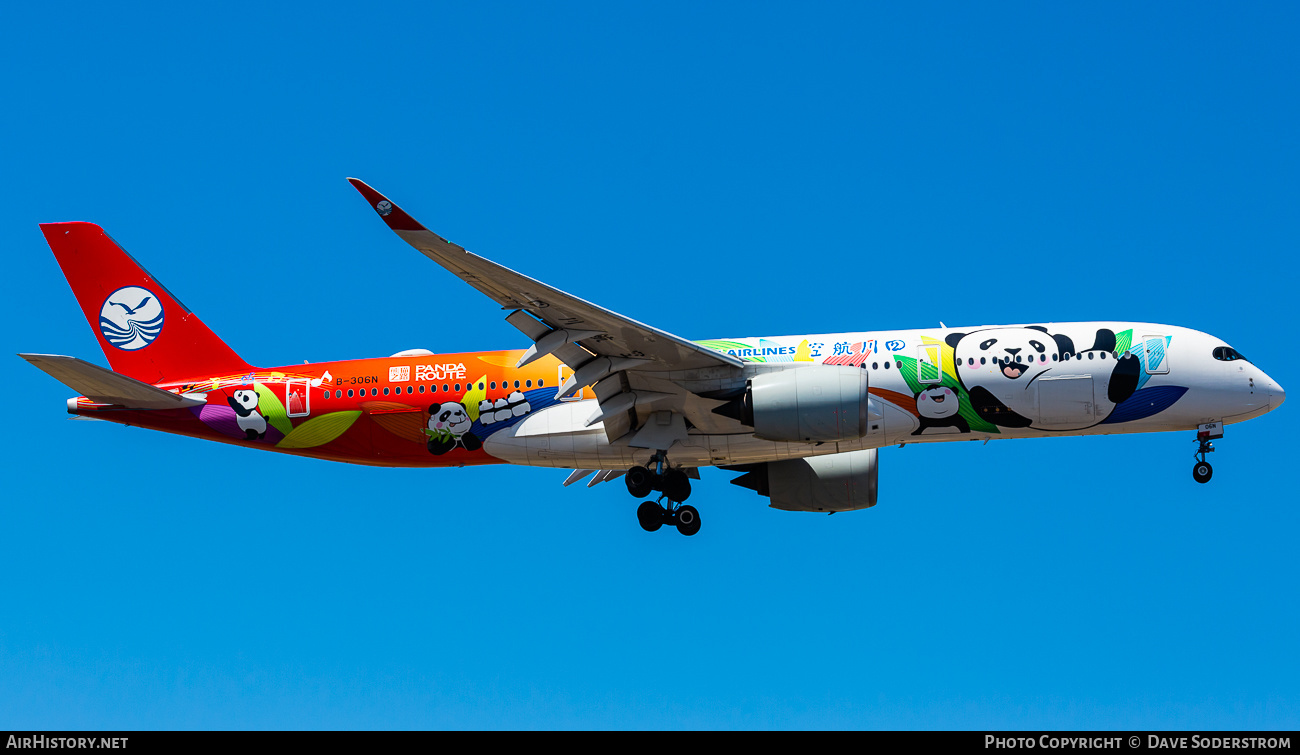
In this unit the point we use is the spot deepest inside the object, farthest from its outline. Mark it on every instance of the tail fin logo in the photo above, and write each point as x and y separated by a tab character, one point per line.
131	318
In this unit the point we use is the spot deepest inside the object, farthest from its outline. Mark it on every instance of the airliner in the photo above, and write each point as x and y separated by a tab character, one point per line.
800	419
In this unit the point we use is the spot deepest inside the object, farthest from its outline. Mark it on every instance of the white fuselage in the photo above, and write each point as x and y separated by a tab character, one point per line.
942	384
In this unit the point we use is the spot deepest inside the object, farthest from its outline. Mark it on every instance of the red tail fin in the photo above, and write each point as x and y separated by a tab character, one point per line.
144	331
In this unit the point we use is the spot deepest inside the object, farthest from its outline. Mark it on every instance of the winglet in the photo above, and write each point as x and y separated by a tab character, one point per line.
394	216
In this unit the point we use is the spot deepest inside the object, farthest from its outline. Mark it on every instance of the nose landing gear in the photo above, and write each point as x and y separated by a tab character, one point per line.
675	487
1201	470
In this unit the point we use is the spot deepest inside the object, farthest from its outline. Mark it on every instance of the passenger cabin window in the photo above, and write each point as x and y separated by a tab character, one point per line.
1228	354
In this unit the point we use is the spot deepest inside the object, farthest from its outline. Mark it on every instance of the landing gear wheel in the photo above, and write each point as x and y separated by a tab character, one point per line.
651	516
676	485
1201	470
687	520
640	481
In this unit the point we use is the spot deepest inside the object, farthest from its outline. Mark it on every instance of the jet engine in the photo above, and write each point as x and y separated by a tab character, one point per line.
807	404
830	483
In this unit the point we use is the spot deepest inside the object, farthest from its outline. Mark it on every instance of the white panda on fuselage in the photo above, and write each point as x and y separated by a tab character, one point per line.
518	404
999	368
502	410
244	402
937	406
449	427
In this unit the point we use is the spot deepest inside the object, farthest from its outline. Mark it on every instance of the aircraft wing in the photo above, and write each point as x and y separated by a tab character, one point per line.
607	333
594	342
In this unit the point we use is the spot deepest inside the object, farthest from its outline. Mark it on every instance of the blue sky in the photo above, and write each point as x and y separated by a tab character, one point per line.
717	170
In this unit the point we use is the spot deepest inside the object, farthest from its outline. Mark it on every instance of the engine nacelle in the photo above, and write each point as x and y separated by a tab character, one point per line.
834	482
808	404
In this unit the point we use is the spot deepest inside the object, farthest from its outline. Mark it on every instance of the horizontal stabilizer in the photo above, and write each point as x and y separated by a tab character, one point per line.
107	387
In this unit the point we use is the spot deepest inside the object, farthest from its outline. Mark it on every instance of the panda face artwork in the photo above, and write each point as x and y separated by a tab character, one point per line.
449	427
938	408
937	402
1000	369
450	418
1020	354
244	402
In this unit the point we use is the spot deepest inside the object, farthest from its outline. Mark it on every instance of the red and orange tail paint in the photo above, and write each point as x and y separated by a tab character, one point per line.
128	310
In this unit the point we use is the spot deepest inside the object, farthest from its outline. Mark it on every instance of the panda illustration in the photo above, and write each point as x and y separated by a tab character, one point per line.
501	410
519	405
1000	367
486	414
244	402
449	427
938	407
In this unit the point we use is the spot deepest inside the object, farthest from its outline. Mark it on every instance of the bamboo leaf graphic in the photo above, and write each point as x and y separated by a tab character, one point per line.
318	431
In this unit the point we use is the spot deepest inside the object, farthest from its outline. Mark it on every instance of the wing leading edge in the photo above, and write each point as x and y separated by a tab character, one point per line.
633	366
569	320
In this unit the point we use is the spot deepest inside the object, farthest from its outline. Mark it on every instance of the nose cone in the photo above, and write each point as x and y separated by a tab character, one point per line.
1276	394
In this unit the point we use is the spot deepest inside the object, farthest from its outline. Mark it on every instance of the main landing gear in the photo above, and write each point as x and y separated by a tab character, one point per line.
674	486
1201	470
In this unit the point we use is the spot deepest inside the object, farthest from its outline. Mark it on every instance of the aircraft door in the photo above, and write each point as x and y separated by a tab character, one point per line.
1155	355
929	363
297	398
1065	403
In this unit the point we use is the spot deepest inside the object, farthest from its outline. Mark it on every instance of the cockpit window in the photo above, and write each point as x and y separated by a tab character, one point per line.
1228	354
